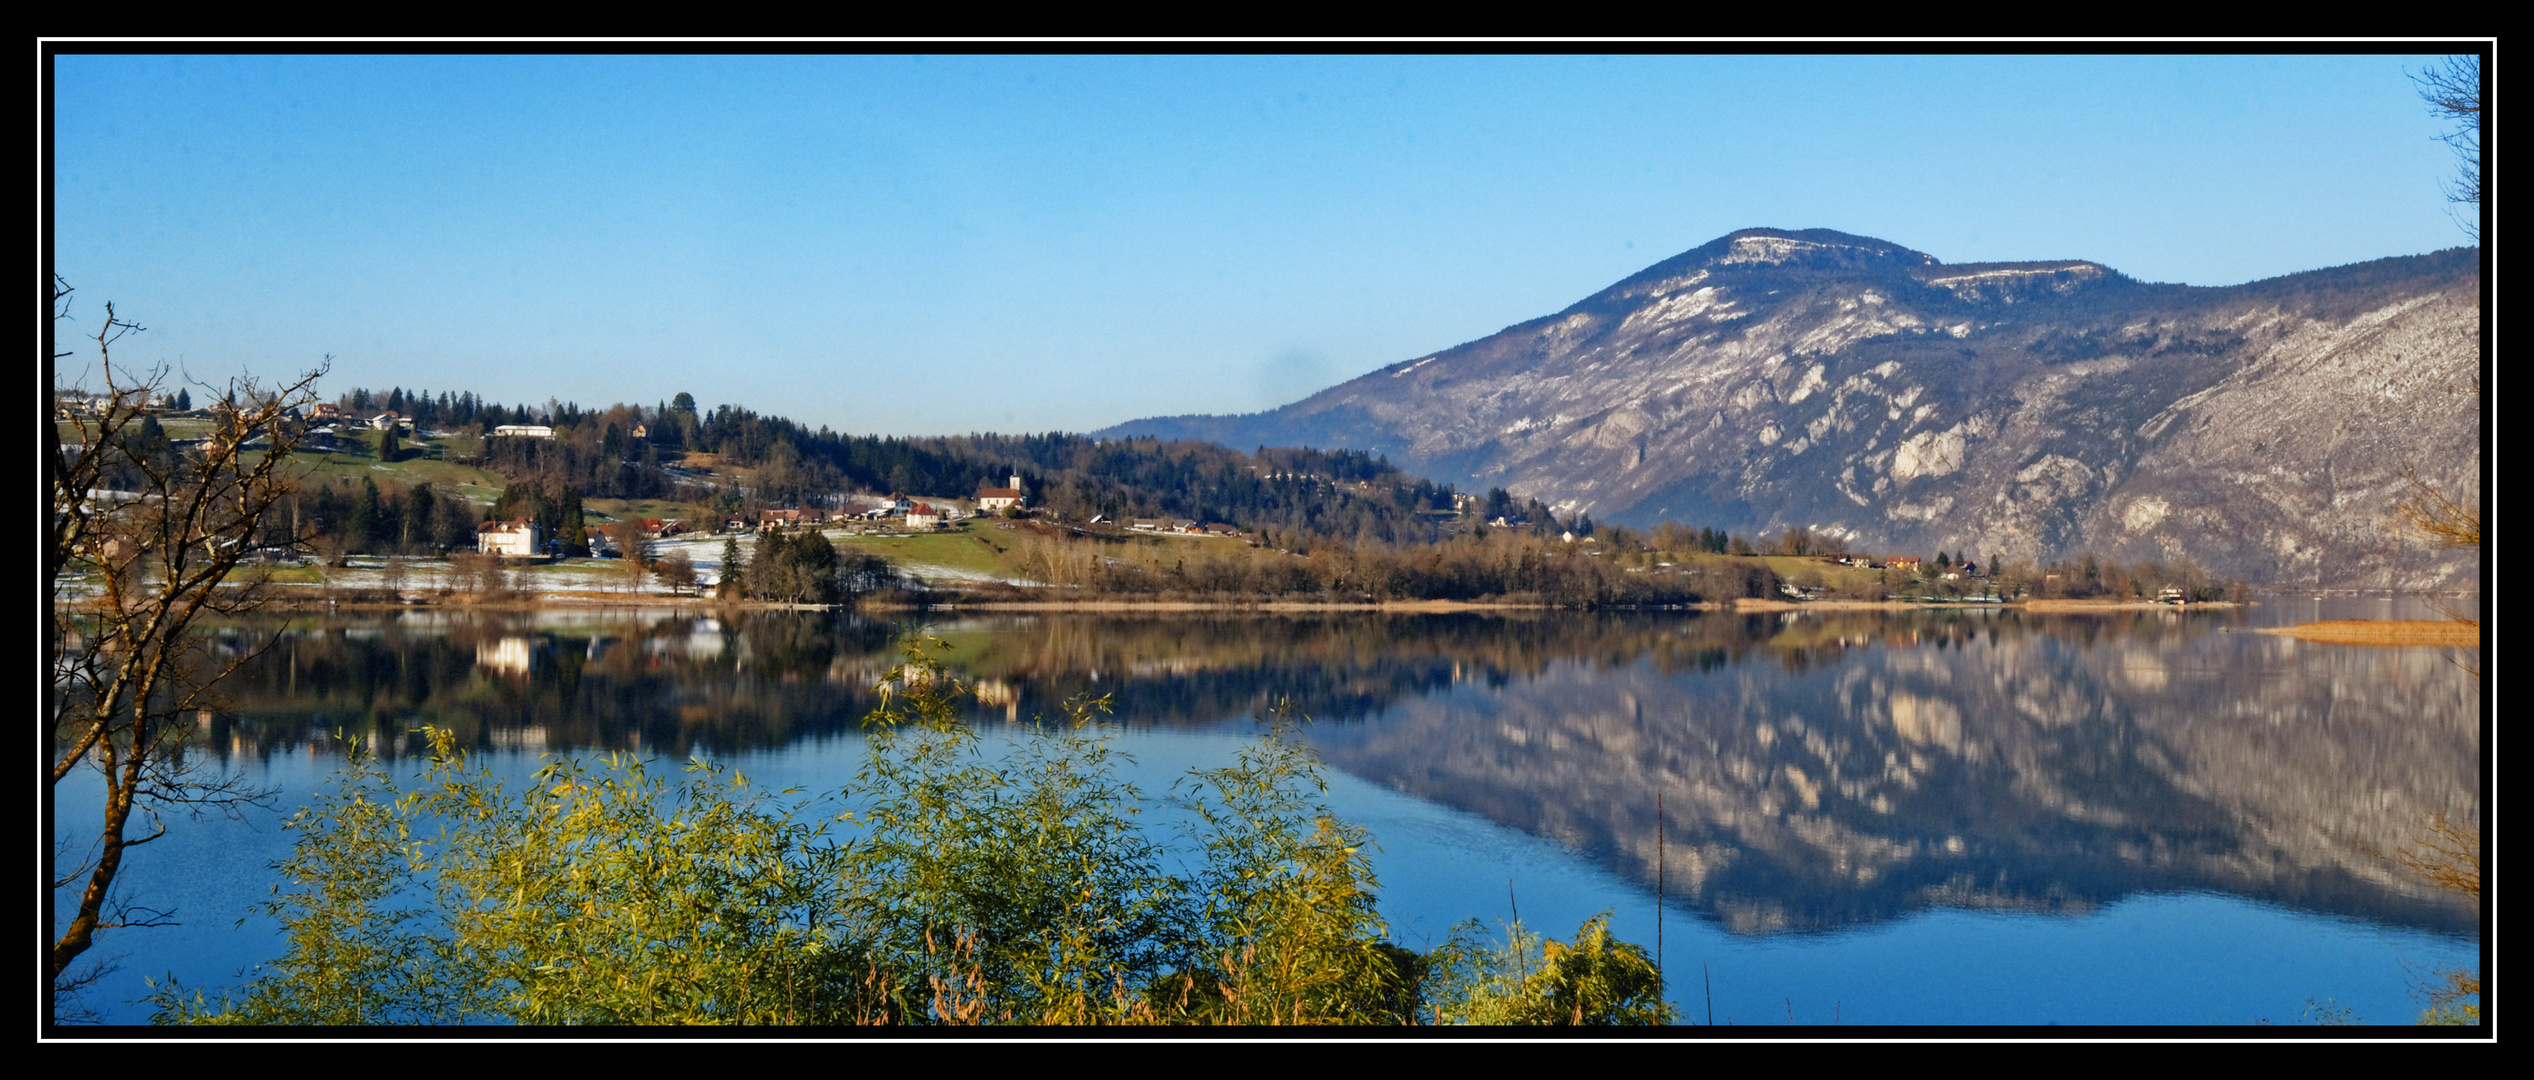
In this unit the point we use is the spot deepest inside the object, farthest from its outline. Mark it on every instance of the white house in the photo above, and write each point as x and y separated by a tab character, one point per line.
922	516
508	538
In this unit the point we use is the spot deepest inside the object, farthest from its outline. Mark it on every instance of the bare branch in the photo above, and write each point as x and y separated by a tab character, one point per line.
2452	90
2447	856
158	531
2438	519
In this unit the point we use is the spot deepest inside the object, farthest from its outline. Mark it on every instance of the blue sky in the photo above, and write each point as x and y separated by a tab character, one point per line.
912	245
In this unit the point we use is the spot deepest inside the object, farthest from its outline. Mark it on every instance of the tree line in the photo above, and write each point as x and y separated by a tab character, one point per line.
1498	566
1335	493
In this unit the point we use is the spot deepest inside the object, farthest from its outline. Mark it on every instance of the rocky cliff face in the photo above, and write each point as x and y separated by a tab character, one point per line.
1771	379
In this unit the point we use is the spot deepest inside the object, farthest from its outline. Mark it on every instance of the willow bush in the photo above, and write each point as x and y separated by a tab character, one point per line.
1011	888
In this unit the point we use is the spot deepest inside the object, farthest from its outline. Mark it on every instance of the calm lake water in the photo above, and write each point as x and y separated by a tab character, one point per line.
1932	817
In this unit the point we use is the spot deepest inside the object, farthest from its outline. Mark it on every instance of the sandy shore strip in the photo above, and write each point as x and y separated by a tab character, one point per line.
2447	633
2121	605
2016	605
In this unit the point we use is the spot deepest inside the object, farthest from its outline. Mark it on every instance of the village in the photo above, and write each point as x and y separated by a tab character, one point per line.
491	541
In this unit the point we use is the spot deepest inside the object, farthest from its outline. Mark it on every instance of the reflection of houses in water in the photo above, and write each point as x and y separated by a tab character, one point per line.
510	655
851	671
706	641
529	739
703	641
991	692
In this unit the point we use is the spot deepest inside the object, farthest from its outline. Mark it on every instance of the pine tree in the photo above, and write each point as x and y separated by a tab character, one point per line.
733	585
360	533
417	517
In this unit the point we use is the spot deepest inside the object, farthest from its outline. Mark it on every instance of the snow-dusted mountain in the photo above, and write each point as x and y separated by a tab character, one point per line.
2027	410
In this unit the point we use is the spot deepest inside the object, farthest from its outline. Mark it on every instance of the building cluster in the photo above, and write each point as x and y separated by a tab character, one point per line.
1181	526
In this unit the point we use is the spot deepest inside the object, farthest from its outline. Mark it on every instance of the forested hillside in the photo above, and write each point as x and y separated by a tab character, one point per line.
733	460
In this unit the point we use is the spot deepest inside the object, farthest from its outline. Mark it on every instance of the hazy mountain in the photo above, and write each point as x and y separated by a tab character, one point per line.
2030	410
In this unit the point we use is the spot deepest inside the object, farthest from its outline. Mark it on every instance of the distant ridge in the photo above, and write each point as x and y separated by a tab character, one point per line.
1772	378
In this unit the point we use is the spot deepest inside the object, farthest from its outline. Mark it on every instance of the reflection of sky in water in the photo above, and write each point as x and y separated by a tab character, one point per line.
2189	958
2162	952
2156	959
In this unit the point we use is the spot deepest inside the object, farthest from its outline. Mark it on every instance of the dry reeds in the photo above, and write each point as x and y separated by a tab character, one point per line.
2437	632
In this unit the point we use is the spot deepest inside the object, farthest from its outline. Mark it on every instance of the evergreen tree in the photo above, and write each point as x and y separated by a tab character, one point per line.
361	530
733	585
417	518
569	523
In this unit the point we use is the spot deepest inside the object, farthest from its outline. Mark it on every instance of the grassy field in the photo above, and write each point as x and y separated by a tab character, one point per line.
959	549
597	510
347	467
1832	574
176	427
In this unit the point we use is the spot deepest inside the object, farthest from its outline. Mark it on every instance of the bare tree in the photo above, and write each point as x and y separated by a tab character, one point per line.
145	540
677	571
628	538
2452	90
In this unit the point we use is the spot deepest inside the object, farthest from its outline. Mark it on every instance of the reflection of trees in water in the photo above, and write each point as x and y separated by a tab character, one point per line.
759	678
1818	770
665	684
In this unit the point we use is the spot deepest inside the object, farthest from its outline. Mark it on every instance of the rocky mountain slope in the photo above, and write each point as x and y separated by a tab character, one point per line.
2026	410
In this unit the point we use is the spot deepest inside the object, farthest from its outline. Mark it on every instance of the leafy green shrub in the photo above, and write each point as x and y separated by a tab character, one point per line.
1596	980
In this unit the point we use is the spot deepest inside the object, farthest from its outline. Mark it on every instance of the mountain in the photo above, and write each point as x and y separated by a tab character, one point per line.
2033	410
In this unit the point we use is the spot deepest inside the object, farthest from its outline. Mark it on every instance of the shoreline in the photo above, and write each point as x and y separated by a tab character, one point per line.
370	600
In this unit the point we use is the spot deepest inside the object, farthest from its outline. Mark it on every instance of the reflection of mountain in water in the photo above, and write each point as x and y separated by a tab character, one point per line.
1816	771
2004	768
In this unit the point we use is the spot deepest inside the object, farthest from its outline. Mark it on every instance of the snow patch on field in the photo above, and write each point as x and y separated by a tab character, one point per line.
945	575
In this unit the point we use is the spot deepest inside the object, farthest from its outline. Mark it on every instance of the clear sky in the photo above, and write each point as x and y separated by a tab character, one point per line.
914	245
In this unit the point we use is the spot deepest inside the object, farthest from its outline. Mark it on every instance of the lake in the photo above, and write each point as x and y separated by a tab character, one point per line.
1957	816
